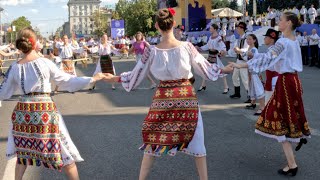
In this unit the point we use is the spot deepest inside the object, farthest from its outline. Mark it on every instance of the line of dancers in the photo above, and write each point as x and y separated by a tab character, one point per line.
174	122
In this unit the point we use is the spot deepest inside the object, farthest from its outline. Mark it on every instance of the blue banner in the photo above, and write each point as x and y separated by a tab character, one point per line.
117	28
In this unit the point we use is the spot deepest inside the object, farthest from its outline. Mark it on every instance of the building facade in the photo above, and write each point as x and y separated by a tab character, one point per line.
80	13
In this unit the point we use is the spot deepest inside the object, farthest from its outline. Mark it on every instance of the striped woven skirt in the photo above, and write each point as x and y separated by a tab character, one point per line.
106	64
38	135
174	121
283	118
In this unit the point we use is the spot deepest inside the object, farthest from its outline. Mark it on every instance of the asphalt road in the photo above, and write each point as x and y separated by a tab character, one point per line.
105	126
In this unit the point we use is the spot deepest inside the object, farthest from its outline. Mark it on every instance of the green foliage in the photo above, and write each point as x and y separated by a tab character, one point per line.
19	23
137	14
216	4
234	5
100	22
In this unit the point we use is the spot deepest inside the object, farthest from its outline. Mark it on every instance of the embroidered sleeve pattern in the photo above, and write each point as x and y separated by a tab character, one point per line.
133	78
262	61
201	66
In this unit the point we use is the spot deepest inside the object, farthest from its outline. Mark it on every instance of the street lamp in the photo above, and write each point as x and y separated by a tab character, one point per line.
1	9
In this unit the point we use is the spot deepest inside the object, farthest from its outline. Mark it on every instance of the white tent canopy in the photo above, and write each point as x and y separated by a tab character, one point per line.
225	12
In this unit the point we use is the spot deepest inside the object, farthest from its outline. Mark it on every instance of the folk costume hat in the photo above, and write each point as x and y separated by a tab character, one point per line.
242	25
272	34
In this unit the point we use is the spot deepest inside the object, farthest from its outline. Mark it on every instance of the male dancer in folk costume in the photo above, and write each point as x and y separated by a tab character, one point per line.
242	46
313	42
104	64
216	48
303	14
36	119
312	14
271	16
184	128
270	39
283	118
304	44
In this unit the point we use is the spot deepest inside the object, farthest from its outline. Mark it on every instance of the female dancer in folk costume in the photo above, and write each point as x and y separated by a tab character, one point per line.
216	48
2	53
256	89
270	39
104	64
174	121
66	51
38	135
283	117
138	48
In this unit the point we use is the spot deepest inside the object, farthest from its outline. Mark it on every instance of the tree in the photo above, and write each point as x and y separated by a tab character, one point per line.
19	23
138	15
234	5
216	4
100	23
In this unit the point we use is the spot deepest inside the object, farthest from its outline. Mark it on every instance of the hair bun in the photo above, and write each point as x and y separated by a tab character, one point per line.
24	45
164	19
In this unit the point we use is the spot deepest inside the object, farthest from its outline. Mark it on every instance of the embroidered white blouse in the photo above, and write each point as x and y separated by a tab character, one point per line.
170	64
284	56
214	43
101	49
35	76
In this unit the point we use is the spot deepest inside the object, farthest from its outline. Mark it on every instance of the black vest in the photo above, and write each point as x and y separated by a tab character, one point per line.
241	44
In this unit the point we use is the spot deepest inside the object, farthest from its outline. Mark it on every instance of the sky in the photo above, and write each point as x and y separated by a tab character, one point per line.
47	15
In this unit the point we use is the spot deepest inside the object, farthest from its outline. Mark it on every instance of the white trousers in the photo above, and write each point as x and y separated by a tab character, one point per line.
243	73
312	18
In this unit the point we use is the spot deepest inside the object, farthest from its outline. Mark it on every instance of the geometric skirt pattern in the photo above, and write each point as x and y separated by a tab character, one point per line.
106	64
68	67
283	118
36	132
172	119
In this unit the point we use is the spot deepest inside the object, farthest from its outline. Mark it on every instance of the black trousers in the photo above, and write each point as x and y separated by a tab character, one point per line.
305	55
314	54
273	22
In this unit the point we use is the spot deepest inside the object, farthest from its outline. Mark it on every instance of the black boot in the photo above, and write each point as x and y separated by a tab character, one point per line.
236	94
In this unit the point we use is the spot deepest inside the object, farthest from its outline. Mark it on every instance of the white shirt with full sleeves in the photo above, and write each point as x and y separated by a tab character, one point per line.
284	56
35	76
215	43
170	64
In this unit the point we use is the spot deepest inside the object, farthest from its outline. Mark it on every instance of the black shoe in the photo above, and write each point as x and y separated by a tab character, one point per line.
93	87
302	141
248	101
225	91
202	88
235	96
251	106
291	172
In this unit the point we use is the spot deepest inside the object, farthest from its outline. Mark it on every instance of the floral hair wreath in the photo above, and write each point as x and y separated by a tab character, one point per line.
172	11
